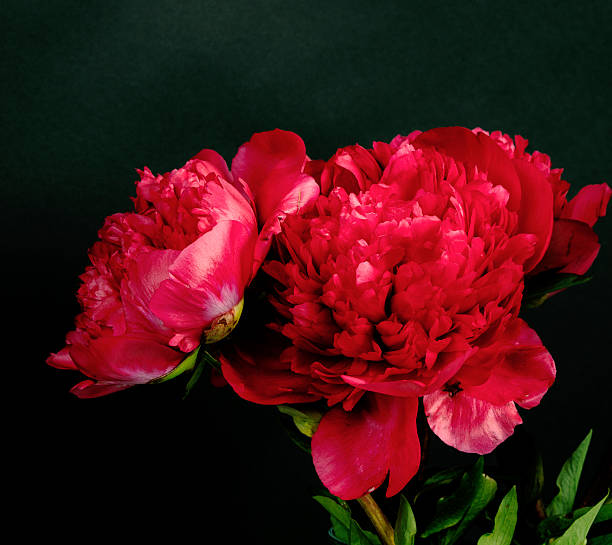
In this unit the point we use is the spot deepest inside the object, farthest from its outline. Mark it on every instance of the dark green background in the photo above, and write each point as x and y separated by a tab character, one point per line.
93	90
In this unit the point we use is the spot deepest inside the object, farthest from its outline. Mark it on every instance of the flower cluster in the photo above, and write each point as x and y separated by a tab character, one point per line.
398	275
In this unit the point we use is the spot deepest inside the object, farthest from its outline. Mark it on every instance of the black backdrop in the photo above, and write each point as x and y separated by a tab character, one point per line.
93	90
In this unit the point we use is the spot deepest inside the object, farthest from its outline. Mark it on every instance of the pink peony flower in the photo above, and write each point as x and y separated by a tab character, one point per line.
172	273
404	281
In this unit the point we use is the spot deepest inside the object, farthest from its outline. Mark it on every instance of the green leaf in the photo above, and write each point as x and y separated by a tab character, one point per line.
405	526
505	522
576	534
299	440
451	509
439	479
538	289
345	528
445	476
339	531
534	480
568	479
306	421
601	540
484	494
555	526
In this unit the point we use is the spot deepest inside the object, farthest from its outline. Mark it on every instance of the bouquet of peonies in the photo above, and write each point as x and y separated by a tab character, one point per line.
383	291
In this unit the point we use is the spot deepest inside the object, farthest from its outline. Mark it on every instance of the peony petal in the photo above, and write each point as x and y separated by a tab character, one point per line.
145	274
354	451
208	278
257	372
88	389
216	161
62	359
224	201
467	423
476	150
573	248
269	153
589	204
302	192
272	164
125	360
536	212
398	388
525	371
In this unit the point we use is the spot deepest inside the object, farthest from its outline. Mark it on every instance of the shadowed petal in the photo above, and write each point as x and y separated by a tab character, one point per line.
258	372
353	451
120	362
589	204
536	212
573	248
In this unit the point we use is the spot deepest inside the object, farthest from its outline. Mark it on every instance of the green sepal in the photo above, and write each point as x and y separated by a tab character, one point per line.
195	377
539	288
186	365
567	481
306	421
505	521
405	526
576	534
345	529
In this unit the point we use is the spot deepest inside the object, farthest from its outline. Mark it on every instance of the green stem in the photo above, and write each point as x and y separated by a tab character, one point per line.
378	519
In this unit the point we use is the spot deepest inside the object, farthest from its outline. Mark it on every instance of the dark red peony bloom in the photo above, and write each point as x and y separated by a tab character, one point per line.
172	273
405	281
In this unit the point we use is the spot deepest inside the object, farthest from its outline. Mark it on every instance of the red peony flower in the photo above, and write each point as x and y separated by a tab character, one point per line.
404	281
173	272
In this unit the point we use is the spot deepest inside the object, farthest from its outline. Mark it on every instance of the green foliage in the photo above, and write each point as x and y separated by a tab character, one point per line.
463	508
568	479
405	527
576	534
455	512
601	540
439	479
345	529
484	494
505	521
555	526
446	476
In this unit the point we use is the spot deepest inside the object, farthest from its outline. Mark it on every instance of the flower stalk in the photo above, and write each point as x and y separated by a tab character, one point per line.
378	519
